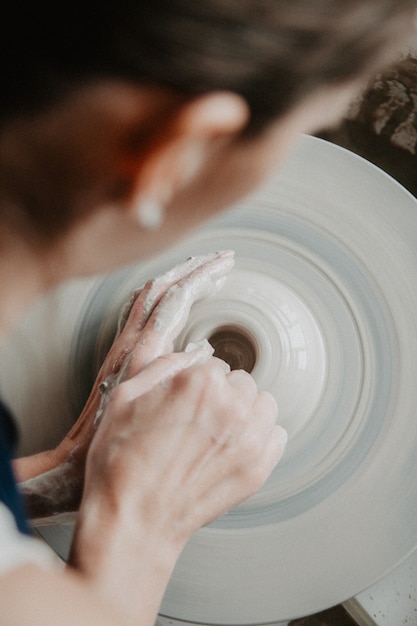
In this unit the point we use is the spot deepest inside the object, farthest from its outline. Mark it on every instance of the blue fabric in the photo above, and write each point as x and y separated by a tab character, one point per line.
9	493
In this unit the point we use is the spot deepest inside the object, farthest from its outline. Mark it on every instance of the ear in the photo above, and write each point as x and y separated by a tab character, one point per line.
182	149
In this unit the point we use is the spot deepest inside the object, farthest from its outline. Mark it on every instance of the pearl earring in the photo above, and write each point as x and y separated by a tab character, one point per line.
150	214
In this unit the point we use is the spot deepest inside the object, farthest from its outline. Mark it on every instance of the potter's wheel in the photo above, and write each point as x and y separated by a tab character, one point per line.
322	304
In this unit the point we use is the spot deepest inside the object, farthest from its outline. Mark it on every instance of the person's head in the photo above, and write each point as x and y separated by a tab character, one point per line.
109	108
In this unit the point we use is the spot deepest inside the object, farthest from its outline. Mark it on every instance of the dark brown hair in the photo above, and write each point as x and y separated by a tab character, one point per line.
272	52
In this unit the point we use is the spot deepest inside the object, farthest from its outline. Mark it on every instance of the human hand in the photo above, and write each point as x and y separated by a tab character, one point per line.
177	447
179	444
148	326
202	433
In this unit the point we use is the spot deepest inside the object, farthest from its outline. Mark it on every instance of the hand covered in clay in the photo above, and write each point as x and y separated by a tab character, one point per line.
148	326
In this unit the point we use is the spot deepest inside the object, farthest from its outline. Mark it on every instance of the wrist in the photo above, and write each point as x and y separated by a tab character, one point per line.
127	560
54	492
30	466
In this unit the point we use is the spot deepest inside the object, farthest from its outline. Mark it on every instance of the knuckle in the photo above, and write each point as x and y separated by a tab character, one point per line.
257	478
208	375
145	351
245	382
251	449
266	410
151	285
237	415
184	379
170	365
268	401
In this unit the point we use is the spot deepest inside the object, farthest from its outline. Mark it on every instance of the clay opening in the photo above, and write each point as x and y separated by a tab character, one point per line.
235	346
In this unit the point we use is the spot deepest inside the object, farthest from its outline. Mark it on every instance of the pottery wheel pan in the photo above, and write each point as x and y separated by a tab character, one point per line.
322	304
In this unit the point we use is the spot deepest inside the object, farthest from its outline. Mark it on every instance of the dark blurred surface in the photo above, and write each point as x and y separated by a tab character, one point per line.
336	616
382	125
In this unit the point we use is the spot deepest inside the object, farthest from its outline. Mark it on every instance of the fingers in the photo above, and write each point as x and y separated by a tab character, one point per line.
159	370
236	483
186	425
248	449
158	312
277	443
148	326
266	427
166	367
143	302
170	316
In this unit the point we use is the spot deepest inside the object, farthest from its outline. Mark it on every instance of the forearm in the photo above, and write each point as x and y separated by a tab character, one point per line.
127	561
36	464
31	595
51	483
54	493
